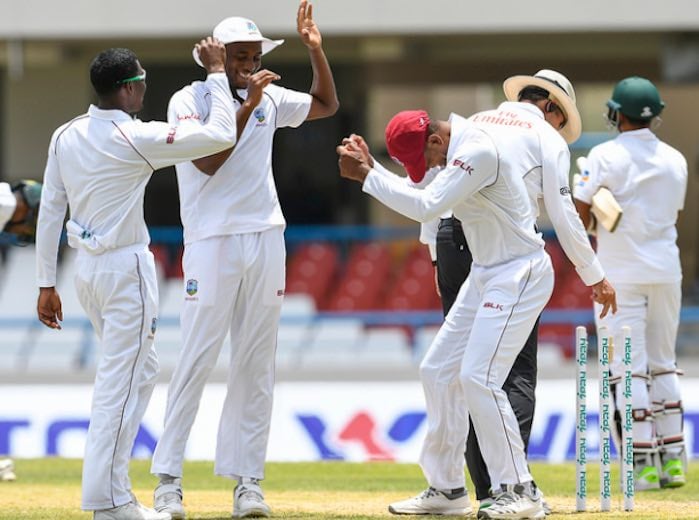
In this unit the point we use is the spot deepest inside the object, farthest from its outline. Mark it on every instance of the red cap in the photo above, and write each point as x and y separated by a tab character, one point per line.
406	135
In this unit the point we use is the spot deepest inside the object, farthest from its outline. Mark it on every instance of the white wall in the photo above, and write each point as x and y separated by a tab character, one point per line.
157	18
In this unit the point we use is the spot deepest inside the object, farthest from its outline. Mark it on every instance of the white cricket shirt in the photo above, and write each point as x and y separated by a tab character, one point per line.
99	164
8	203
492	204
241	196
648	178
498	219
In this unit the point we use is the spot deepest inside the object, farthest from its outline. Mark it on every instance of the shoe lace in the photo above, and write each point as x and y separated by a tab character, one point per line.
505	498
250	490
429	492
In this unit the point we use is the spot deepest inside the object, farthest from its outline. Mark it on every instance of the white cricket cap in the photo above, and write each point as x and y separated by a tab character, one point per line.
561	92
238	29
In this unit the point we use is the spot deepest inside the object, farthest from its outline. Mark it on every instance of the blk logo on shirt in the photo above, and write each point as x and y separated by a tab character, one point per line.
465	167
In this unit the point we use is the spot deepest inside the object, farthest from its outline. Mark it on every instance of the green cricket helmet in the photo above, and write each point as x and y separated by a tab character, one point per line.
636	98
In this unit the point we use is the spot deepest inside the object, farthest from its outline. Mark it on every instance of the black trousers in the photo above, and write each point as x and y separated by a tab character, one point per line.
453	266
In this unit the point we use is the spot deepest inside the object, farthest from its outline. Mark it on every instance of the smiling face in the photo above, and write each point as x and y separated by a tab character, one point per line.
243	59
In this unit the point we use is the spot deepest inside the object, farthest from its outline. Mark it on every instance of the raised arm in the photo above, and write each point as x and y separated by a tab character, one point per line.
325	102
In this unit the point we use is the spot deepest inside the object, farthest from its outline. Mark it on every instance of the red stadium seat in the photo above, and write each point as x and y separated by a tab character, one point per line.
414	288
312	269
364	281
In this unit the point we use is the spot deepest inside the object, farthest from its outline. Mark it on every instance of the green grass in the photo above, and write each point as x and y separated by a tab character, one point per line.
50	489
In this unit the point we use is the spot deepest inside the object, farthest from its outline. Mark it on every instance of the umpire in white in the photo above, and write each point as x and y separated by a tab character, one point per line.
98	167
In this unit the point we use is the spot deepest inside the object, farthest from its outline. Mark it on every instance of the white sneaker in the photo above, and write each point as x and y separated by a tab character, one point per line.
167	498
130	511
248	499
516	502
7	470
432	502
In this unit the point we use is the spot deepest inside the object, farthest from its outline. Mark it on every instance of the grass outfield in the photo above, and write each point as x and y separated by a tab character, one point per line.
50	489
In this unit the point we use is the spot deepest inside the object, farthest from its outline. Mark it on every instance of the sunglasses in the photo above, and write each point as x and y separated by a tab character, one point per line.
138	77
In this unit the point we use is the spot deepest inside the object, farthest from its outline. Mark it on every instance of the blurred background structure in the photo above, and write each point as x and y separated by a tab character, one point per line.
360	286
347	253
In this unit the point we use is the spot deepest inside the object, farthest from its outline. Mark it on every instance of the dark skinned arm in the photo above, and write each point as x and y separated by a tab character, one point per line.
325	102
209	165
583	209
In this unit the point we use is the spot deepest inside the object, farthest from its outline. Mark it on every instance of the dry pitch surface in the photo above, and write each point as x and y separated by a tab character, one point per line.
50	489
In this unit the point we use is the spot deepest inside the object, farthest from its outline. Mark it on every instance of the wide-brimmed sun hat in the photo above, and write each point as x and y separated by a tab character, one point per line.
560	92
238	29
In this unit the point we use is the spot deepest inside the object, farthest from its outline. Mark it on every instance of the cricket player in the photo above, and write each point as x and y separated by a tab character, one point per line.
234	262
485	160
98	167
19	208
19	205
648	179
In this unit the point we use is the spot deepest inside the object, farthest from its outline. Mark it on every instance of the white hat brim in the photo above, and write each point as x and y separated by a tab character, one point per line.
267	46
571	132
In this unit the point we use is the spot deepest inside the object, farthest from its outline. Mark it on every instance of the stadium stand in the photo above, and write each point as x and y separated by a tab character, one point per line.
312	269
363	283
376	307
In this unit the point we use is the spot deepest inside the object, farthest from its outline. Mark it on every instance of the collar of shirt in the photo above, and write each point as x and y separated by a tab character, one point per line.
458	125
641	133
111	115
526	107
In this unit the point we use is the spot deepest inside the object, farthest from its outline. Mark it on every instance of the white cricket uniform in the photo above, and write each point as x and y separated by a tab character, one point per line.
511	280
648	178
98	166
234	273
8	204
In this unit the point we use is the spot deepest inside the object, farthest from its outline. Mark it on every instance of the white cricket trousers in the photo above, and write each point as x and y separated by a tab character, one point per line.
236	285
653	313
467	364
119	292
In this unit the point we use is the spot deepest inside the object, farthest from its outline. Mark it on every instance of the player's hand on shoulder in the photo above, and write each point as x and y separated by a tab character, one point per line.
604	294
306	27
212	54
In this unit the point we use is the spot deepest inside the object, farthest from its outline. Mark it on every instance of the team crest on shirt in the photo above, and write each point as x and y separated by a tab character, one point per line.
259	114
192	287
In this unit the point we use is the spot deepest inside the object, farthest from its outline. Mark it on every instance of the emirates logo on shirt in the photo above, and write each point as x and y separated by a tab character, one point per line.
171	135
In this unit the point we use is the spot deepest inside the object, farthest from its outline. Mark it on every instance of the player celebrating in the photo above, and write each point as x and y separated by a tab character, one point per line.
648	179
485	158
98	167
234	262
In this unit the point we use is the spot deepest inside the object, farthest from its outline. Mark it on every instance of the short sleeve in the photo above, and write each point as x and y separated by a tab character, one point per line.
292	106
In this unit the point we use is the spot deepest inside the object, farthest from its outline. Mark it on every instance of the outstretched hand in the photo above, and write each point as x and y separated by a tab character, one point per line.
306	27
